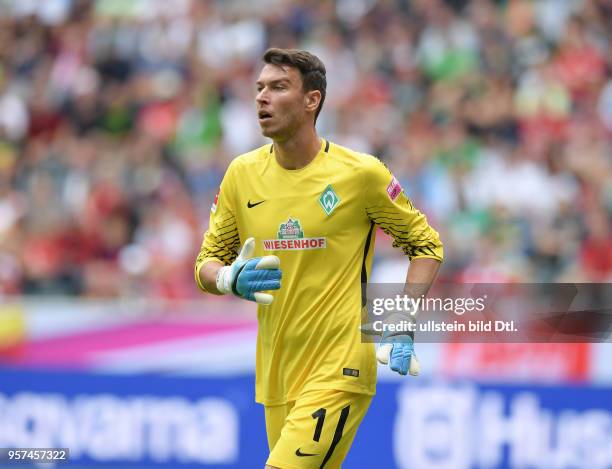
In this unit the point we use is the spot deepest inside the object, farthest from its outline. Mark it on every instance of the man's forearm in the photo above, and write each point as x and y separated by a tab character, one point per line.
208	276
421	274
397	348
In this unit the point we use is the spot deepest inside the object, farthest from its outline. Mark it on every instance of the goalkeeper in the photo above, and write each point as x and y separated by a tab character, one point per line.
292	228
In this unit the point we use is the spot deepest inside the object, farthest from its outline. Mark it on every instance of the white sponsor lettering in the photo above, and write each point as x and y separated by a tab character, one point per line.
294	244
106	427
440	427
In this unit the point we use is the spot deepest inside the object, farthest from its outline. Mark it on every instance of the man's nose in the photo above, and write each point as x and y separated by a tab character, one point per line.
262	96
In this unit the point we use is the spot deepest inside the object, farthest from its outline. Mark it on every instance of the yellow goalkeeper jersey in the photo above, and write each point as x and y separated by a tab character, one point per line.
319	220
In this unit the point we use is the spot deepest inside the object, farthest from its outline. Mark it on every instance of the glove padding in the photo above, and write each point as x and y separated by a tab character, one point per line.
398	352
247	277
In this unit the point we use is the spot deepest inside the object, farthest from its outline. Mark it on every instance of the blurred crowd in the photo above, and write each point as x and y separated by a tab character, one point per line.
118	119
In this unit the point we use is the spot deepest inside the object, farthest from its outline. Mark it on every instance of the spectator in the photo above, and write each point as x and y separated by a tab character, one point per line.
117	120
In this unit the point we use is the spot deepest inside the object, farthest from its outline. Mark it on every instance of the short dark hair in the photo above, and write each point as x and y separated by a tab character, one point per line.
311	69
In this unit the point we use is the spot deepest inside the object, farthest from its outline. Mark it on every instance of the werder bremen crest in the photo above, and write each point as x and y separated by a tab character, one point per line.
329	200
291	229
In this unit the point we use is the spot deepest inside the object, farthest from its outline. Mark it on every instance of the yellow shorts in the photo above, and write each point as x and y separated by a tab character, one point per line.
316	430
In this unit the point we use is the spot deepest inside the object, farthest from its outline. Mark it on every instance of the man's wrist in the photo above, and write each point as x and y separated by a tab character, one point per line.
223	280
398	324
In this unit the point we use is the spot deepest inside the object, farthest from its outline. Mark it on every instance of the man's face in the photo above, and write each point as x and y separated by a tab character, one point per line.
281	102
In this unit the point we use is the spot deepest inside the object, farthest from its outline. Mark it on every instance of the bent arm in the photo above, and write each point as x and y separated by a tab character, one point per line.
208	277
421	274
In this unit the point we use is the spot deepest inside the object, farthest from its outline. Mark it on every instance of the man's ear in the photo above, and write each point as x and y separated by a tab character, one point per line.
312	99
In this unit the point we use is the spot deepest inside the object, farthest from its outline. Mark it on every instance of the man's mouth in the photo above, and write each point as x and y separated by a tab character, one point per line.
264	116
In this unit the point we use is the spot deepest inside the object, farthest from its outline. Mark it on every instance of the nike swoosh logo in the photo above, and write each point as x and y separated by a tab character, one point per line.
250	205
299	453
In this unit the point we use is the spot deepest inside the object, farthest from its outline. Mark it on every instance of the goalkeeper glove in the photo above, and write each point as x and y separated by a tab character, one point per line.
397	350
247	277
